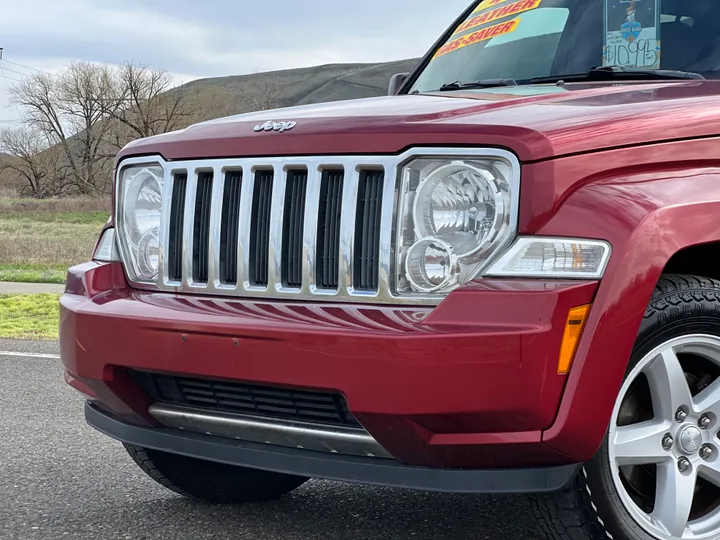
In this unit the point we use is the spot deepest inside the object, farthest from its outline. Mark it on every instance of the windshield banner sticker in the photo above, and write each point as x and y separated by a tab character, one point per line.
476	37
498	13
632	33
488	4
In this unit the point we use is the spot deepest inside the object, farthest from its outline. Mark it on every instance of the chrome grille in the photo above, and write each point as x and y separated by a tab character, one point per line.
279	228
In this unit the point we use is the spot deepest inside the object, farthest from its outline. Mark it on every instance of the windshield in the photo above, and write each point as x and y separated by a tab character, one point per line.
526	39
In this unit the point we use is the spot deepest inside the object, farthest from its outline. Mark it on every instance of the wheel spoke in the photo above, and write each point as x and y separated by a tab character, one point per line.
709	399
641	444
710	471
674	498
668	386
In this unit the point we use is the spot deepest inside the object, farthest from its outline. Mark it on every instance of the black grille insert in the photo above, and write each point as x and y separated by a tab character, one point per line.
328	240
241	398
229	228
260	228
177	222
201	229
293	229
367	231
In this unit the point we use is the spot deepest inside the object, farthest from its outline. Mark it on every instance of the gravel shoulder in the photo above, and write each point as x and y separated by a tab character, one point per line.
10	287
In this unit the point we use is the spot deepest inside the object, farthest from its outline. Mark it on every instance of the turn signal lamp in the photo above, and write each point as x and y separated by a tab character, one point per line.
571	337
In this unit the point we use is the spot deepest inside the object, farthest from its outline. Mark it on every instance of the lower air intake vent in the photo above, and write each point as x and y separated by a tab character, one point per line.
240	398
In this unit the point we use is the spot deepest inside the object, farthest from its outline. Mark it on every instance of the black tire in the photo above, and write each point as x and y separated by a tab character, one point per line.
590	509
212	482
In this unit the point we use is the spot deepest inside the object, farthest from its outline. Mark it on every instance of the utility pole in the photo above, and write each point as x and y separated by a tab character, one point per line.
1	50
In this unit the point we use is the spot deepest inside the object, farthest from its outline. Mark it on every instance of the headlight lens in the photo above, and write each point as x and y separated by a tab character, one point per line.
453	215
140	190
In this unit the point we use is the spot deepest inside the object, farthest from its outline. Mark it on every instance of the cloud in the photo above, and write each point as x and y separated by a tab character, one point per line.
216	37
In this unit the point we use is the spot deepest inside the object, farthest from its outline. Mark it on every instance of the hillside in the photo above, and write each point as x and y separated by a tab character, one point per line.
221	96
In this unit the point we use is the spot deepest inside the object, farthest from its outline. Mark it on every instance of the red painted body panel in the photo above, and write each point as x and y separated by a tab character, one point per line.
449	387
471	383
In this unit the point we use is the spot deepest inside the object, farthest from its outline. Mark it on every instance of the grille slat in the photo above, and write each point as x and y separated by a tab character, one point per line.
367	231
260	228
229	228
177	219
329	229
201	228
230	397
292	248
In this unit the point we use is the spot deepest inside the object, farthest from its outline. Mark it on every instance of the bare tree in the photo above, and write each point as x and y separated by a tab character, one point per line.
262	93
71	110
145	102
31	162
89	111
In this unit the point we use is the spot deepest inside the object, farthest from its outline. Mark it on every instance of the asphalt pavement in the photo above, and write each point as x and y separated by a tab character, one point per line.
61	479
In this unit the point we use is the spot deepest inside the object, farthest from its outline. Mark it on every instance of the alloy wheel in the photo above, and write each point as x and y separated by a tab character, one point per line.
663	441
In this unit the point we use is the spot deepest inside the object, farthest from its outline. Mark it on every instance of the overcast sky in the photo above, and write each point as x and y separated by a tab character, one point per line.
205	38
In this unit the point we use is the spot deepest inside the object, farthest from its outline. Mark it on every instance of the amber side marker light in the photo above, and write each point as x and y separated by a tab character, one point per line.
571	337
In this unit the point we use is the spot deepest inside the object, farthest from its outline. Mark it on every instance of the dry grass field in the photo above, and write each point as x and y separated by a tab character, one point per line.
41	239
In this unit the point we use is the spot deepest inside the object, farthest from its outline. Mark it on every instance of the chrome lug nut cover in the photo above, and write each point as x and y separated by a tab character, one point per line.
706	452
667	442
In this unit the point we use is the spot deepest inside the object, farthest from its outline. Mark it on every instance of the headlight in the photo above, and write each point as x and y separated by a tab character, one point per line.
453	216
140	204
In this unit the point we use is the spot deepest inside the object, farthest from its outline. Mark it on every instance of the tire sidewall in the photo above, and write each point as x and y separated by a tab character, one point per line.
695	315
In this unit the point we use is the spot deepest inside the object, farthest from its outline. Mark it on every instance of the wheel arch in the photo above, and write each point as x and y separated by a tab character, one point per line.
696	260
654	228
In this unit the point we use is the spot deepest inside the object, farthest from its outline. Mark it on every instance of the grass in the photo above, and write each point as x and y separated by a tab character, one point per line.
10	204
33	273
29	316
74	218
40	240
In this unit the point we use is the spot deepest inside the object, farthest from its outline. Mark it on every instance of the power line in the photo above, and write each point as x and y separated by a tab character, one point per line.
17	64
23	66
2	72
9	78
7	83
17	72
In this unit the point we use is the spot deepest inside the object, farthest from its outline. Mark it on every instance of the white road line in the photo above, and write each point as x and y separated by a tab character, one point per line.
30	355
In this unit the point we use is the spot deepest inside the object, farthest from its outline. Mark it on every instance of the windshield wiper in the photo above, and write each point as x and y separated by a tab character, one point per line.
485	83
609	73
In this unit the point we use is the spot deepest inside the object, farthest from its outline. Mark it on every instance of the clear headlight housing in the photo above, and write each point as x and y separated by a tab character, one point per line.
453	216
139	208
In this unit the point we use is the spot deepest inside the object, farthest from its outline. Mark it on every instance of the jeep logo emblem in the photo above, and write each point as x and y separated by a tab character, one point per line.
275	126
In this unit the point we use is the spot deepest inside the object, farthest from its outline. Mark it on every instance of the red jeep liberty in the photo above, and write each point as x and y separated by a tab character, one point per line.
502	277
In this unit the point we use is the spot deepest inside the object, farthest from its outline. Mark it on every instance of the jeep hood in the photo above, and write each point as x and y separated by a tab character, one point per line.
536	122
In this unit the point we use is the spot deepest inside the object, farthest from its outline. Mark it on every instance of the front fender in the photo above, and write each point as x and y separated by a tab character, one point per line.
647	217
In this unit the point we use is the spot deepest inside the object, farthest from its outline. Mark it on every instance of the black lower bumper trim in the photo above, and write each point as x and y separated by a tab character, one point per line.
374	471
